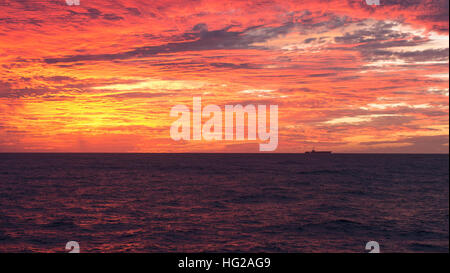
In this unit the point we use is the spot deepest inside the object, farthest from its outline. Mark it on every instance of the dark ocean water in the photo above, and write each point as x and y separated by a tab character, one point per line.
223	202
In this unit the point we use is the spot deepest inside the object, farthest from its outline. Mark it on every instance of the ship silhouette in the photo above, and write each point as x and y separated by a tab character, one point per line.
314	152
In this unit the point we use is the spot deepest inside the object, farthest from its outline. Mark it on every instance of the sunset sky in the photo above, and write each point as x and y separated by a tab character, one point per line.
103	76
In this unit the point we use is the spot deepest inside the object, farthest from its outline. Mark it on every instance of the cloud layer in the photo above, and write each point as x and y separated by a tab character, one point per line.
103	76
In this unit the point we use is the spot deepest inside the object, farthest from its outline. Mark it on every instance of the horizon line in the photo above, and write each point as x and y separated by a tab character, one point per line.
253	153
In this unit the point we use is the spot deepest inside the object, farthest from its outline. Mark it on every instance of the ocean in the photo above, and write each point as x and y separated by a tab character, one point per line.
224	202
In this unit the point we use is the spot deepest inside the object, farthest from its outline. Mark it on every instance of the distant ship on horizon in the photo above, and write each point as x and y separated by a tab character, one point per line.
318	152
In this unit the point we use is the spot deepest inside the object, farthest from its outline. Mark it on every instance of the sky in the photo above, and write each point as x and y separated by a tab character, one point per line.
103	76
